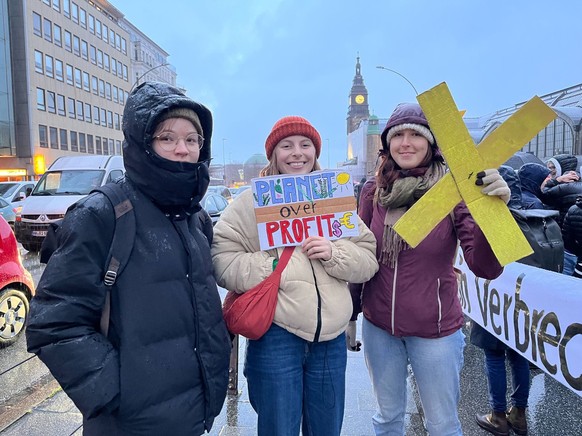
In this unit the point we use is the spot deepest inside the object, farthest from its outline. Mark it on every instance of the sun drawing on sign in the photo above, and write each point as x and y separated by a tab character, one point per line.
342	180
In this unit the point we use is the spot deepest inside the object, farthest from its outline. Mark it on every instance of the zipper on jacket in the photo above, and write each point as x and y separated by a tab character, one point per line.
439	305
318	328
394	295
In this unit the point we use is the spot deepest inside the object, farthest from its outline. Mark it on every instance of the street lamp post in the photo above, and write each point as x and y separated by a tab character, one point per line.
165	64
223	161
396	72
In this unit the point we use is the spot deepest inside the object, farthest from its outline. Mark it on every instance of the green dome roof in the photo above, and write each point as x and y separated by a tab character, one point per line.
257	159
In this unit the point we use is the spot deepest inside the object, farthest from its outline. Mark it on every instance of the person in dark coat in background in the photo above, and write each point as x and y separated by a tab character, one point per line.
572	233
531	176
162	365
560	192
499	419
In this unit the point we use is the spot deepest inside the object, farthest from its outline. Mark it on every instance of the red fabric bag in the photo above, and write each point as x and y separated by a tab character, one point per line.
251	314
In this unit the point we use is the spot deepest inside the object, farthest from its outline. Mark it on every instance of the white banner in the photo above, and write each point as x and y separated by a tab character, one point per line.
536	312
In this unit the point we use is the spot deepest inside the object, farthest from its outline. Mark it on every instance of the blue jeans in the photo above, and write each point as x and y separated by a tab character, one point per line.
436	364
569	263
290	379
497	378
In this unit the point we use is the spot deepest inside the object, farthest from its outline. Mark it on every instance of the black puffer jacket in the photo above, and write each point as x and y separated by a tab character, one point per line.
562	196
572	228
163	368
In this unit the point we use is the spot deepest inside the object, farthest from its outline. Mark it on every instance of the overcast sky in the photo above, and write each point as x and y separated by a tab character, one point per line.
254	61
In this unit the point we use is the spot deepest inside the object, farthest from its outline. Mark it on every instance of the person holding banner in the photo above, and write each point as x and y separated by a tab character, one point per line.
296	371
412	313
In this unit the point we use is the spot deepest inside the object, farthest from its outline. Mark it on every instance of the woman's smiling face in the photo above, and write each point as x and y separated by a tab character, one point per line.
295	155
408	148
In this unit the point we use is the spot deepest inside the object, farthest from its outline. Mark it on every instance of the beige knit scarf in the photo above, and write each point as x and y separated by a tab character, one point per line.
397	199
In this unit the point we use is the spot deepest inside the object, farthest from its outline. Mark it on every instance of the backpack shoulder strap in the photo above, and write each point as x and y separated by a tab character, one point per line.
123	233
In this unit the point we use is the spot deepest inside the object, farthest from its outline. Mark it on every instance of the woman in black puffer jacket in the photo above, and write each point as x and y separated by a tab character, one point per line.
162	366
572	233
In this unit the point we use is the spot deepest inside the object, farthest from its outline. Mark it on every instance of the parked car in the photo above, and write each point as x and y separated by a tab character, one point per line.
16	288
8	211
67	180
214	204
221	190
14	193
240	190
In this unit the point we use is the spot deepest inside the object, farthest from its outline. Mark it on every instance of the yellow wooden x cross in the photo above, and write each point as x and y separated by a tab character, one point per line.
465	161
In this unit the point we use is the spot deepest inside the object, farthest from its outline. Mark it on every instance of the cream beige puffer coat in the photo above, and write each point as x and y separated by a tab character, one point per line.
239	264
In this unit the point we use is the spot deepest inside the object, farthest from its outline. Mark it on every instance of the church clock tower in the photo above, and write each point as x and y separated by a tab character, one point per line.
358	103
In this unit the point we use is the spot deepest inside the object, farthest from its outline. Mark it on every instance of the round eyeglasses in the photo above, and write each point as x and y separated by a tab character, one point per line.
169	141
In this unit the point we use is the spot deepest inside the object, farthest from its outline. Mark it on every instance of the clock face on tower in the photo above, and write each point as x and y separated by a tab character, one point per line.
359	98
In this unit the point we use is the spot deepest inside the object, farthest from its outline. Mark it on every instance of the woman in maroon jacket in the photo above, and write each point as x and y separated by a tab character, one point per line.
412	313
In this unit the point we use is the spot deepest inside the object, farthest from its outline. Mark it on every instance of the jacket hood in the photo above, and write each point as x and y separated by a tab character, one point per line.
512	180
408	113
564	163
168	183
531	176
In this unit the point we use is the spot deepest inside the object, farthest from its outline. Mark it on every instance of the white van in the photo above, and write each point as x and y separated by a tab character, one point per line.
67	180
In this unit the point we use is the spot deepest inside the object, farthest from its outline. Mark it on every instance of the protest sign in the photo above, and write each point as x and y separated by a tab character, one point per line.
290	208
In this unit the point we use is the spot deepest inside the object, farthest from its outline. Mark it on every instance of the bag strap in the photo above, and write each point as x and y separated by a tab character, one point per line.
123	234
284	259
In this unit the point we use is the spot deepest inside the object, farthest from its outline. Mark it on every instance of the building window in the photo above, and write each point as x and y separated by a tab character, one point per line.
108	91
111	145
74	15
36	24
47	2
115	94
61	105
66	8
98	149
125	72
117	124
105	147
69	74
99	58
40	101
57	35
121	99
84	50
68	41
92	24
48	66
90	148
42	136
118	147
123	46
51	103
74	141
96	118
86	82
83	18
87	112
82	143
71	107
94	87
80	113
57	5
76	45
103	117
105	34
93	54
48	30
106	62
64	138
101	88
110	119
113	66
78	82
98	28
117	41
38	62
59	70
54	137
112	37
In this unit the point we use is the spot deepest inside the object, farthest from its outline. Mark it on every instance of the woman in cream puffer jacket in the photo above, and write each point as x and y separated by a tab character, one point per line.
296	370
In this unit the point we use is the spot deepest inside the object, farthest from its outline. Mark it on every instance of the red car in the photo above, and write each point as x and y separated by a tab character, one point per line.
16	288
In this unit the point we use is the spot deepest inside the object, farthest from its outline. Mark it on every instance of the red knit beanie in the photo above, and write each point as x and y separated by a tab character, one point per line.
290	126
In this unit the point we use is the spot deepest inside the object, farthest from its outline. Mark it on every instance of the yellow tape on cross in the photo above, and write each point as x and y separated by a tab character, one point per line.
465	161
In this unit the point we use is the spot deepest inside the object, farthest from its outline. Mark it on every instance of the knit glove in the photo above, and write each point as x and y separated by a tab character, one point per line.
493	184
351	342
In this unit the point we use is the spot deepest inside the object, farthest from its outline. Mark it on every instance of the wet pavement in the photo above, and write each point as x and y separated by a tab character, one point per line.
553	410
